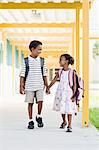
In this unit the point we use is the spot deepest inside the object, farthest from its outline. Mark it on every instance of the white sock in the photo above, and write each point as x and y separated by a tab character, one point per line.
30	120
38	115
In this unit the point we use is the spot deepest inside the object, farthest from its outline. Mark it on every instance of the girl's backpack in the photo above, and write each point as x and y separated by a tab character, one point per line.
79	94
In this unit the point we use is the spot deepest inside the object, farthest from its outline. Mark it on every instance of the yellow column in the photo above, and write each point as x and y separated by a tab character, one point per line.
73	37
77	40
85	51
13	68
4	63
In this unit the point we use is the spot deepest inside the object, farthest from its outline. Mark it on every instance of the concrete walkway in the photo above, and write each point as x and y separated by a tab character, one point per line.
14	134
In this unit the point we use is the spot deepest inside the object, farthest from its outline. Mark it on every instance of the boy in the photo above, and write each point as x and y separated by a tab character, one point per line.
33	83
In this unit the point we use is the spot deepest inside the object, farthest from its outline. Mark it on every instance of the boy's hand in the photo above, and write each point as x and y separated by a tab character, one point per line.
22	88
47	90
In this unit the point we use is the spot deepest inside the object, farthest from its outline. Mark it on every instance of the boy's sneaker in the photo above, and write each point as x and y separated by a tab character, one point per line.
31	125
69	129
39	121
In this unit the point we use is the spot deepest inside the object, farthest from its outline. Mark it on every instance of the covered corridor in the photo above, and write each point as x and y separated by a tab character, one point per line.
63	27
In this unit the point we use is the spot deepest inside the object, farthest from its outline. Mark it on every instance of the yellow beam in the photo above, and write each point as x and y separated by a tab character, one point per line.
46	54
92	38
85	51
38	5
78	40
55	54
36	25
13	34
17	42
45	50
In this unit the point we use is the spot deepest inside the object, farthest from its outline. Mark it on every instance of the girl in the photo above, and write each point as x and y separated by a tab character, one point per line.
64	99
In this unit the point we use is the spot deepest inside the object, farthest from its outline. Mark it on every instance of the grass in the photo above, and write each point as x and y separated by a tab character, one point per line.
94	117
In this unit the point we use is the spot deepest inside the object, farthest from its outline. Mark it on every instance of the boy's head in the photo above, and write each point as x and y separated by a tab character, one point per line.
35	47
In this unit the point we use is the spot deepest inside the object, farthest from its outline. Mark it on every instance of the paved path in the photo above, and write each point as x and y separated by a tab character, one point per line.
14	134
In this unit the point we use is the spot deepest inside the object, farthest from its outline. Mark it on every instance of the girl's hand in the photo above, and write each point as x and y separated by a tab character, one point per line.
73	99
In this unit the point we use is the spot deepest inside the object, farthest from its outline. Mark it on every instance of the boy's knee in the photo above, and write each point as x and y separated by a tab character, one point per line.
30	104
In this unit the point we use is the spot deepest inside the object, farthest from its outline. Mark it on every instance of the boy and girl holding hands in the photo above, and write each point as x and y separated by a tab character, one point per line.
33	86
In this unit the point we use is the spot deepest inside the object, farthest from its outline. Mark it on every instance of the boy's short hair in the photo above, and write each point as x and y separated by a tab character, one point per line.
34	44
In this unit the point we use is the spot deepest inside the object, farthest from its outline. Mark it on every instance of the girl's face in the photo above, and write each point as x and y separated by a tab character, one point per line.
63	61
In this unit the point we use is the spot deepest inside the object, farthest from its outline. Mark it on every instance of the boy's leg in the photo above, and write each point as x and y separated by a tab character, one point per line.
40	105
30	110
30	100
39	96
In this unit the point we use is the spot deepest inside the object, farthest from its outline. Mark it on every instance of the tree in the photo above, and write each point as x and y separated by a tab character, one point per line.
96	49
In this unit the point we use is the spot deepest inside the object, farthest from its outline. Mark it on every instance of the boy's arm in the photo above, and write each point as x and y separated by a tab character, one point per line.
45	81
22	85
45	74
22	79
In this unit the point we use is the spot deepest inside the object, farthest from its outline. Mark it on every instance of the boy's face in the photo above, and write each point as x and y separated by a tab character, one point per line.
63	61
37	51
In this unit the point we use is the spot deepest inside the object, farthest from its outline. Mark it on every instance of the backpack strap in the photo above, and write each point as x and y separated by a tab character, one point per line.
60	73
71	78
27	67
72	82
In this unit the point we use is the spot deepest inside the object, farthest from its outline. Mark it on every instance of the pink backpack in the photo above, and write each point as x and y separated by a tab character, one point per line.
79	94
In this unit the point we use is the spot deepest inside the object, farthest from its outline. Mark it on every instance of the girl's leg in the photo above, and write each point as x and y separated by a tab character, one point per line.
64	121
69	116
64	118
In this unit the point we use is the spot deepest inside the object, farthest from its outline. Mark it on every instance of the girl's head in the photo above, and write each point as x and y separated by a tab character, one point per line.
35	47
66	59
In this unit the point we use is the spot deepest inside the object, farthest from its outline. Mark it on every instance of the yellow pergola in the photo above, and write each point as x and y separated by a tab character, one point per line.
67	4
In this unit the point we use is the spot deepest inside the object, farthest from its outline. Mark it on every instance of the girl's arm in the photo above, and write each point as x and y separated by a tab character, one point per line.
54	80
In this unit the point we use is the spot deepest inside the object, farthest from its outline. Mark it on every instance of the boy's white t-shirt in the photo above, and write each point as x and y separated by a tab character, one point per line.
34	80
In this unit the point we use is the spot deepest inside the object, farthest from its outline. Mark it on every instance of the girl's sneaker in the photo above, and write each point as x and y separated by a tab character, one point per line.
39	121
31	125
69	129
63	125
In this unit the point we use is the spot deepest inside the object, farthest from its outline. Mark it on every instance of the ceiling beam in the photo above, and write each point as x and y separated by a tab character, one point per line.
16	34
36	25
46	48
20	42
39	5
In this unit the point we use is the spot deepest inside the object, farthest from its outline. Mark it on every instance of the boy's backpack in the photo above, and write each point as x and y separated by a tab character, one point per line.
27	66
79	94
